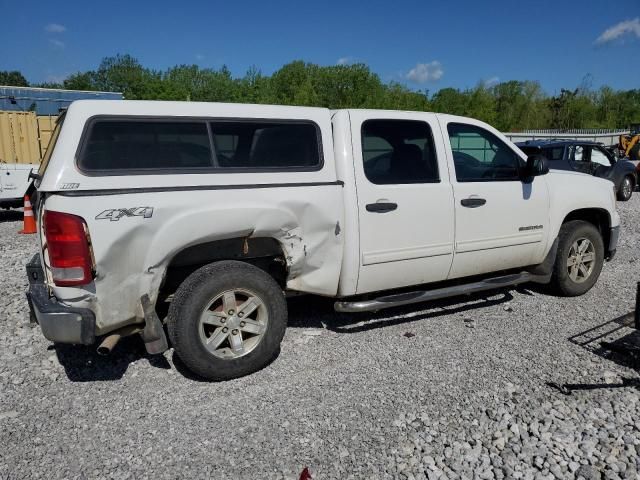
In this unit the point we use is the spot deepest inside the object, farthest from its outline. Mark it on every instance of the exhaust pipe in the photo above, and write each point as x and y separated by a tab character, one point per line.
110	341
108	344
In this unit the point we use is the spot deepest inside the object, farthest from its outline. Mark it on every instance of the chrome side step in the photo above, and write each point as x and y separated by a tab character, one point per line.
408	298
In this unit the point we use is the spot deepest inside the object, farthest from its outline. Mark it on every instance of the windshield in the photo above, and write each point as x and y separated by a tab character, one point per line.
52	143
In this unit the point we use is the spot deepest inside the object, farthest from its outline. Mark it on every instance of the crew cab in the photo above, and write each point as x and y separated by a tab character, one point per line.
219	211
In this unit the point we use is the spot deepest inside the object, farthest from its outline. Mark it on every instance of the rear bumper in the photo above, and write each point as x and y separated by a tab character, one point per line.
59	323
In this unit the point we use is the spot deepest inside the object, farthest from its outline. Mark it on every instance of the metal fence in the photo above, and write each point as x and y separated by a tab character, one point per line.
608	137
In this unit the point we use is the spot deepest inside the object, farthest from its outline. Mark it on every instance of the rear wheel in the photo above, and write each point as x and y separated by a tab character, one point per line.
579	259
626	188
227	320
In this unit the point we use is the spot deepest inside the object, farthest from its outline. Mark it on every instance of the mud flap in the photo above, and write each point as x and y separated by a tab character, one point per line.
153	336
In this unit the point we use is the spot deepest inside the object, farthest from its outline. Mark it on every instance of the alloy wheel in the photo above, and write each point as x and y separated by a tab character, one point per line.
233	324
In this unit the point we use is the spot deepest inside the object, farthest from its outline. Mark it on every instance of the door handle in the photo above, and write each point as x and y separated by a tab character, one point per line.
381	207
472	202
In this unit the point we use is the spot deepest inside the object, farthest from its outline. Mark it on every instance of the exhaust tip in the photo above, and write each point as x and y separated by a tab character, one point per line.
103	351
108	344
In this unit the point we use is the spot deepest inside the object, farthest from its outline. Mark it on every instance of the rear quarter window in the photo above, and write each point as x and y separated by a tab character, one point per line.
130	146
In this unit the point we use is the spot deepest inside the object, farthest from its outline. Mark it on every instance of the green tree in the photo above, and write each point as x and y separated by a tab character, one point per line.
511	105
13	78
450	100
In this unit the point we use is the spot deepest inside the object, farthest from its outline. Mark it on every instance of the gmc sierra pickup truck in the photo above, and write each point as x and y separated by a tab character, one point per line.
220	210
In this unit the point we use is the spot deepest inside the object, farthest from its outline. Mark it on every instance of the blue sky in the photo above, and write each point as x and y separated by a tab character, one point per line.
425	45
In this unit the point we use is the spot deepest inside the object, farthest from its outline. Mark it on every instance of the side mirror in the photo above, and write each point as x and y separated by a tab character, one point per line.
536	165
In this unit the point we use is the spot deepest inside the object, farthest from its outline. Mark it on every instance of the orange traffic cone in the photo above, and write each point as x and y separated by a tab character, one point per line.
29	222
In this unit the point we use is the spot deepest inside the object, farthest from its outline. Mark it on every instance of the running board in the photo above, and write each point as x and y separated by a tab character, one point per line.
408	298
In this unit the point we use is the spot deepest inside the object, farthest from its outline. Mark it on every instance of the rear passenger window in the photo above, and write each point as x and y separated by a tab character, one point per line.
266	145
147	145
398	151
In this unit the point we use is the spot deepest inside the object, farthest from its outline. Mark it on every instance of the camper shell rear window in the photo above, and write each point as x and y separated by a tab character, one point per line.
135	145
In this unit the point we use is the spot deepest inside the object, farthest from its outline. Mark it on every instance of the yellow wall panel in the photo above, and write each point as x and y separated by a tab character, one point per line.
24	136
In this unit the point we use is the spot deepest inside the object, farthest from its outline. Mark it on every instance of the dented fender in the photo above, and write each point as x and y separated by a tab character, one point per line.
132	254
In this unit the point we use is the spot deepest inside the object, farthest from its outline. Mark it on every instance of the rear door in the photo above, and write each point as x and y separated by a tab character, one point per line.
405	200
501	222
579	159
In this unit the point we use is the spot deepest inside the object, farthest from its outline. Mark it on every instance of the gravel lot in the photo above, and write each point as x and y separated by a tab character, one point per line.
457	390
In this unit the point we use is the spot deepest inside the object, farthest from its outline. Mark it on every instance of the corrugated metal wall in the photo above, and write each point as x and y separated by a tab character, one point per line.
24	136
46	101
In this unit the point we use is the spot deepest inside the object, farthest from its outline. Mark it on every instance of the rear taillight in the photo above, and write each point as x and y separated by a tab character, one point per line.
68	248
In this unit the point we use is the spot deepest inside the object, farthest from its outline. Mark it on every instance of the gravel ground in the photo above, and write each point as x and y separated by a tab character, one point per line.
457	390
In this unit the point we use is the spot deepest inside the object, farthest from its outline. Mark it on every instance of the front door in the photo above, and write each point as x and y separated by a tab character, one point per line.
405	201
501	222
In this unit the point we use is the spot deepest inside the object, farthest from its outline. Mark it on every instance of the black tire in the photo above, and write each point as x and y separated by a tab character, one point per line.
626	188
561	282
196	293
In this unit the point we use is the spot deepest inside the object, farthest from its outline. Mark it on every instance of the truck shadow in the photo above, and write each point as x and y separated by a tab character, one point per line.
318	312
10	216
83	364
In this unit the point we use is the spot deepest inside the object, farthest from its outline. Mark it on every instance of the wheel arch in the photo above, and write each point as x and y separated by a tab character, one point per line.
266	253
598	217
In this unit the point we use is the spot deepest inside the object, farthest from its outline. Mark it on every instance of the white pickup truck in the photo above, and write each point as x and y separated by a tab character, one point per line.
220	210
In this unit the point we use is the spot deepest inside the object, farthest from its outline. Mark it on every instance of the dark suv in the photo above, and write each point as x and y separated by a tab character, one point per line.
586	157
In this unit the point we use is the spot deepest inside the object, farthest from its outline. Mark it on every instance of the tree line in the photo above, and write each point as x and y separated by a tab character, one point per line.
509	106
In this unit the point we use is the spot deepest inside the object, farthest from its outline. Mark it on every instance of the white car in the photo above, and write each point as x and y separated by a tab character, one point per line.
14	183
219	210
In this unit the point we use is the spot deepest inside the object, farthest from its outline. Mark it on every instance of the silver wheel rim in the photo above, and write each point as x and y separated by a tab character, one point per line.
626	187
233	324
581	260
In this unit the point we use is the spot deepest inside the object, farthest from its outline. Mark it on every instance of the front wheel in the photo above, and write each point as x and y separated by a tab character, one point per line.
227	320
579	259
626	189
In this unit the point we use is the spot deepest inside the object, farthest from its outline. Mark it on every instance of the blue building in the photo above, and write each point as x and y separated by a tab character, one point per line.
47	101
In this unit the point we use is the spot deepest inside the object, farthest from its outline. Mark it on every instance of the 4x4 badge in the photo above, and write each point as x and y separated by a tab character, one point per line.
115	214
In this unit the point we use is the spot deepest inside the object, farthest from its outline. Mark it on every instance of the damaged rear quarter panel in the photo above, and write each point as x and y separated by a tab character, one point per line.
132	253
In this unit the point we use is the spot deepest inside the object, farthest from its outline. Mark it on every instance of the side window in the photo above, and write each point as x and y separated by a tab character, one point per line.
145	145
480	156
554	153
266	145
398	152
576	153
599	157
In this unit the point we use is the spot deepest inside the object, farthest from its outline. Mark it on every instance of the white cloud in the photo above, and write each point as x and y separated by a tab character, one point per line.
425	72
55	28
56	43
199	56
344	61
490	82
624	28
